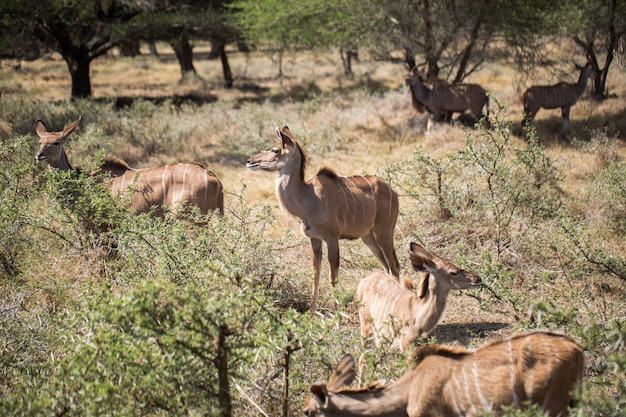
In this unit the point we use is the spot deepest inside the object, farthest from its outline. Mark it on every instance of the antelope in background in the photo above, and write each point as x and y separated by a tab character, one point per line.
443	97
331	207
394	310
563	95
170	186
542	368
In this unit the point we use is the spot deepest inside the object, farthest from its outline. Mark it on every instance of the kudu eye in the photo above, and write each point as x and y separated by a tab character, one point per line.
57	143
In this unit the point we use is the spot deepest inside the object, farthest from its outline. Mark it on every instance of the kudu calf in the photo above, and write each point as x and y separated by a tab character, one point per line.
331	207
563	95
542	368
443	97
153	189
390	309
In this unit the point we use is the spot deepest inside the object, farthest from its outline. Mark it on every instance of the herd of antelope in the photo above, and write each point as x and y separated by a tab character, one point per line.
441	97
539	368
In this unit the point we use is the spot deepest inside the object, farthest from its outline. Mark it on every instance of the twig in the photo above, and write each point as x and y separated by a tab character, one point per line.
250	400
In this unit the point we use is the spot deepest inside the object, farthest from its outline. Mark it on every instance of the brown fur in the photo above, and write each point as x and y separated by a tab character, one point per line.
144	189
539	367
396	312
331	207
563	95
444	97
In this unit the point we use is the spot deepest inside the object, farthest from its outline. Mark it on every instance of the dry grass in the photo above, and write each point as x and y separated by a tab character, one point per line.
358	131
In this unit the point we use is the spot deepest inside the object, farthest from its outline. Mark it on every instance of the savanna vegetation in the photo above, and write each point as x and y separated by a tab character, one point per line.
174	317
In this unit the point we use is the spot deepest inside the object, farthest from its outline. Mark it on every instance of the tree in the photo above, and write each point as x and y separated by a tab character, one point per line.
181	22
598	27
457	36
283	26
80	31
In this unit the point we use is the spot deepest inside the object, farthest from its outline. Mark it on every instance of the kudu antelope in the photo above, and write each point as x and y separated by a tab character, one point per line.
542	368
563	95
395	311
156	188
331	207
443	97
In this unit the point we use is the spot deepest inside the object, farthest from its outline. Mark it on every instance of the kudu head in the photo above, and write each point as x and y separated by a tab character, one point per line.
51	143
413	77
446	274
587	71
284	153
319	393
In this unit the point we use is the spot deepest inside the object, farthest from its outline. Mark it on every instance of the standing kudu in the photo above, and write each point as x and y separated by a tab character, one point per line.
169	186
540	367
443	97
391	309
563	95
331	207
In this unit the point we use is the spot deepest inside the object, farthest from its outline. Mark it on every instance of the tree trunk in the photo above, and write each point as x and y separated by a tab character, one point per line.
78	64
409	59
467	53
130	48
224	398
228	75
153	49
346	58
184	54
432	60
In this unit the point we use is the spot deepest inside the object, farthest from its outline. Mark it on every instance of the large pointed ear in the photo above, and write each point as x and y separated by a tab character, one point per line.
285	136
421	259
40	127
343	375
69	129
319	393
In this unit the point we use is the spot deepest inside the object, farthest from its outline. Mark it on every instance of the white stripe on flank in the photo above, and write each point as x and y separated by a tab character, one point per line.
486	406
163	183
182	188
512	373
373	195
530	378
550	348
455	398
467	393
206	184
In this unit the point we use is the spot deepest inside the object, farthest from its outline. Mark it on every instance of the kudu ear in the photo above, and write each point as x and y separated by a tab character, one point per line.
285	136
40	127
69	129
344	374
421	259
319	393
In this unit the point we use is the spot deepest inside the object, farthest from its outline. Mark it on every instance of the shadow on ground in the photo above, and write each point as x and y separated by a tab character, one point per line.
463	333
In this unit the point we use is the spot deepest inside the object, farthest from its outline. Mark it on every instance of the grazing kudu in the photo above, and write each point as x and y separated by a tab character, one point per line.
390	309
158	188
444	97
331	207
540	368
563	95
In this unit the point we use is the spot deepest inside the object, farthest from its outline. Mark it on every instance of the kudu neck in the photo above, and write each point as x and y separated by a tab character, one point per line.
582	80
419	89
434	301
294	193
390	401
63	164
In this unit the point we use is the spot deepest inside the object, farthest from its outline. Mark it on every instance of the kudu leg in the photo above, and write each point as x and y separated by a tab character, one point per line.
316	257
371	243
333	261
565	115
